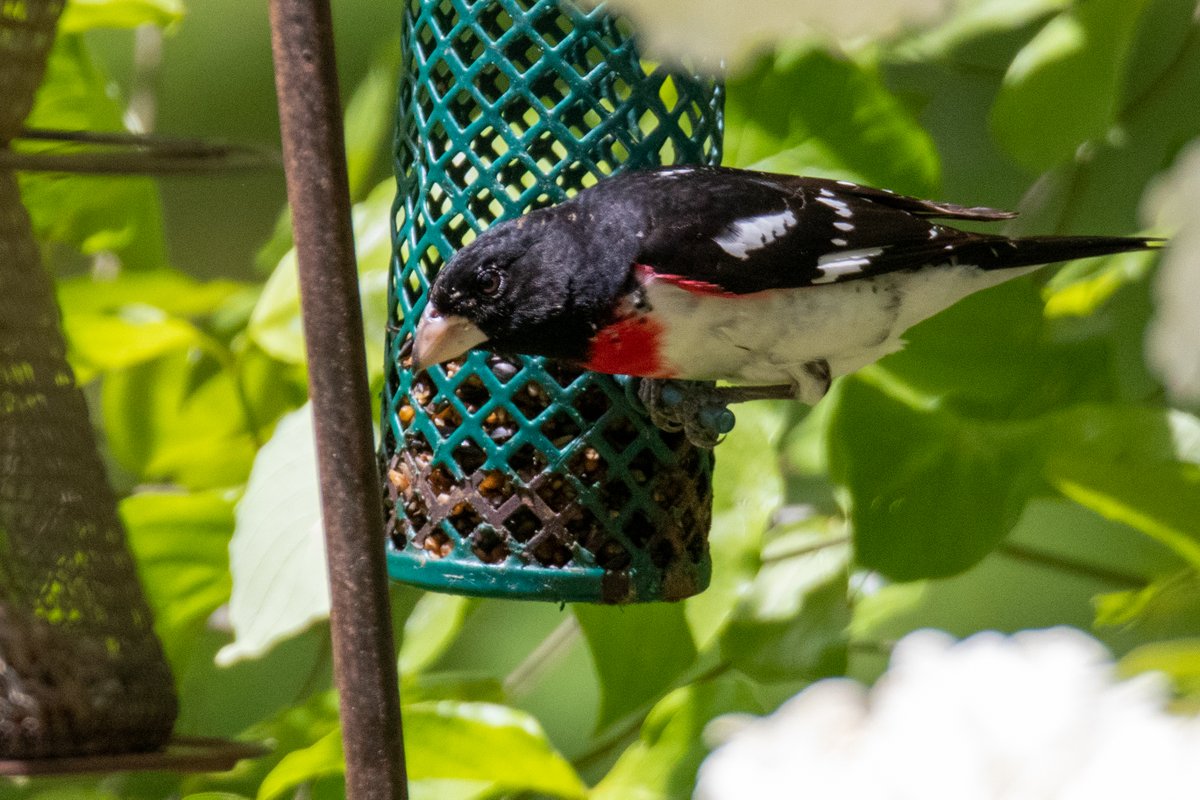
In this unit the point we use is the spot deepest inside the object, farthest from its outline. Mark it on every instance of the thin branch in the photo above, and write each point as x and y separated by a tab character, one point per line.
1062	564
806	550
548	653
135	153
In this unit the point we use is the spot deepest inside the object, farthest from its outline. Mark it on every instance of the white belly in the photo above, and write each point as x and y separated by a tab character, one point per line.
768	337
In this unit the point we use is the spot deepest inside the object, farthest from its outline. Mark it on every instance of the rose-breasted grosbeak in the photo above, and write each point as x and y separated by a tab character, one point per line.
710	273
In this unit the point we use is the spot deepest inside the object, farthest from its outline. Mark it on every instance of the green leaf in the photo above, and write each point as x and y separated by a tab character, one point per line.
1080	288
809	110
275	325
1178	659
461	686
89	213
791	624
297	726
135	335
966	35
928	492
1168	608
271	388
1063	88
662	764
485	742
215	796
322	758
431	628
747	490
371	120
178	419
1123	435
277	554
1160	500
639	652
86	15
171	292
992	356
1156	118
180	543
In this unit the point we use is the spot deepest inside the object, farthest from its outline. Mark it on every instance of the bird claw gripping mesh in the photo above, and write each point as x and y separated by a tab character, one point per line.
524	478
700	410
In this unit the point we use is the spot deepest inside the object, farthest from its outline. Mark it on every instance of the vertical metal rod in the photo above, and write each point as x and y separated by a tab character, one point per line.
364	657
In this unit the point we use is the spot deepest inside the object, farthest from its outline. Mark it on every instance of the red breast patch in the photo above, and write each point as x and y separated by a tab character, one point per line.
629	346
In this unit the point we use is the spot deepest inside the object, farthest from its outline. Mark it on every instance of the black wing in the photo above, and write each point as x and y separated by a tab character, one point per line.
745	231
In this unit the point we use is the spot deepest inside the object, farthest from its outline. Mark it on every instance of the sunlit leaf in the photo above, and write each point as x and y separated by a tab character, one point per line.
322	758
1169	607
181	545
506	747
1178	659
85	15
1062	89
980	22
662	764
747	490
811	110
90	213
1160	500
180	419
639	652
1155	119
168	290
1081	287
275	325
791	623
277	555
431	628
135	335
371	120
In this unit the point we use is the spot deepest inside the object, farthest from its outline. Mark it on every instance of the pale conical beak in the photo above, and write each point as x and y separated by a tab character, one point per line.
441	338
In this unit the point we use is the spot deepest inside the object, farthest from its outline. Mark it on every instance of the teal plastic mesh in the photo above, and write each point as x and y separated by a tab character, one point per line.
525	478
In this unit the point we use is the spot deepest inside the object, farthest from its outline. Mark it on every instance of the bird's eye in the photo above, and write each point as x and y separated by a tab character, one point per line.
490	282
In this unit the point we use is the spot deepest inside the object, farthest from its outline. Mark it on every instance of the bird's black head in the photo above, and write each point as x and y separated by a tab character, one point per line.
537	285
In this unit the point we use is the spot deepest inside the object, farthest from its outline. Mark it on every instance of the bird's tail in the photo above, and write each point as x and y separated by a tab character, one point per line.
1003	253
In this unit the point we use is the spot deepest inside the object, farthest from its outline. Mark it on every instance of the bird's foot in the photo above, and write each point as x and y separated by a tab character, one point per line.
701	410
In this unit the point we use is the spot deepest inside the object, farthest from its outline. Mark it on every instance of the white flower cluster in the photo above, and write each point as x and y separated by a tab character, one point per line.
1173	339
1033	716
713	33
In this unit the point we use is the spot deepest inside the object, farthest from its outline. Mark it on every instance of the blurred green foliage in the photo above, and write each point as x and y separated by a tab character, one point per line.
1016	466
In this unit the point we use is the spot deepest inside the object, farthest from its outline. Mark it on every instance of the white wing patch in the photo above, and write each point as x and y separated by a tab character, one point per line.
755	233
845	262
840	207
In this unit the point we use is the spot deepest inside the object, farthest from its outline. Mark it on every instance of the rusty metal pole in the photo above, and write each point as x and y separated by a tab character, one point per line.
364	657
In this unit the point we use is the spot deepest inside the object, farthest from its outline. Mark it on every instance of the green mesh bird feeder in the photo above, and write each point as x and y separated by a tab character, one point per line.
525	478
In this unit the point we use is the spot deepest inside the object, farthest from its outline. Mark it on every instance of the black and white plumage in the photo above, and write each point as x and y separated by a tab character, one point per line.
712	273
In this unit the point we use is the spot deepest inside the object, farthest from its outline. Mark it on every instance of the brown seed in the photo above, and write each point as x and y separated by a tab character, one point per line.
398	479
406	414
